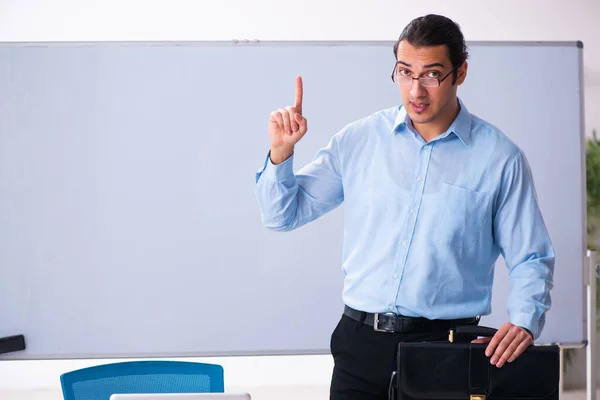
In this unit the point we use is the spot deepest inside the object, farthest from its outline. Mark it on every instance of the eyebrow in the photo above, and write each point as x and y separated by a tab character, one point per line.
437	64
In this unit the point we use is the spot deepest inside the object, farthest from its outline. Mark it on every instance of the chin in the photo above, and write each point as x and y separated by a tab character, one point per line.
420	118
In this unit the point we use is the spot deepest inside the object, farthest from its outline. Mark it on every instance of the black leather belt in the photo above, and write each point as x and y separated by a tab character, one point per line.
394	323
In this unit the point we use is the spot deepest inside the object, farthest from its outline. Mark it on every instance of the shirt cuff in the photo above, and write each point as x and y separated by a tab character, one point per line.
526	321
279	172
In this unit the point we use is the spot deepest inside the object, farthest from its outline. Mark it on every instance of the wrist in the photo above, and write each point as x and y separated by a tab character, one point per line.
528	332
279	155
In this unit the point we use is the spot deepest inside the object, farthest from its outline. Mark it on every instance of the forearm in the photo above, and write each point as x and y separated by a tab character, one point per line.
288	200
276	191
529	298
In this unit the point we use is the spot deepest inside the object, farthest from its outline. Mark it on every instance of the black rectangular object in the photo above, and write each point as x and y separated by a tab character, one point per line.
12	343
452	371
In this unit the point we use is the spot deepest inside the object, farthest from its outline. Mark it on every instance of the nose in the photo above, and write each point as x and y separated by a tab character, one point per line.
417	90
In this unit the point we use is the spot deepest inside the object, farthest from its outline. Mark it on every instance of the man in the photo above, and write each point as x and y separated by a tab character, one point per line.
433	195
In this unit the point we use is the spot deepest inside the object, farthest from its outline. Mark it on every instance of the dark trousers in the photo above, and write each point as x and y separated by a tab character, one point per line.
365	359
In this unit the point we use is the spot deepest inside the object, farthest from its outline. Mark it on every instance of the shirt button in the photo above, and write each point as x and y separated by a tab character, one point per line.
395	276
404	243
392	308
419	179
412	211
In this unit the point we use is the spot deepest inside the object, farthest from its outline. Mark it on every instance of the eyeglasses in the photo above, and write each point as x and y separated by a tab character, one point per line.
405	80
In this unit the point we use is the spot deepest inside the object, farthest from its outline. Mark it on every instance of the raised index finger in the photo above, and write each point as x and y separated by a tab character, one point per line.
298	102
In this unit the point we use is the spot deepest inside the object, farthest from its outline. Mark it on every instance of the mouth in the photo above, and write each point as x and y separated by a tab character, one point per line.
419	107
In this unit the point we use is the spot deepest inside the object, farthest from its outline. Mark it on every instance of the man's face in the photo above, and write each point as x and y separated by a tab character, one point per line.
427	104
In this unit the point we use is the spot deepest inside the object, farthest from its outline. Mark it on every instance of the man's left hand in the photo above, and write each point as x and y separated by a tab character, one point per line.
509	342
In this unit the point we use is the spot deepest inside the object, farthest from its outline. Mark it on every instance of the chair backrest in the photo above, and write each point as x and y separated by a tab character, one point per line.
100	382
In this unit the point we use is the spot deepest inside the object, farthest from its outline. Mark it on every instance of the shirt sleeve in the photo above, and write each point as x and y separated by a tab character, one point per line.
288	200
520	231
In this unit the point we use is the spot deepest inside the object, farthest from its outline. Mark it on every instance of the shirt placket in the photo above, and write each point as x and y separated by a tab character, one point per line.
416	197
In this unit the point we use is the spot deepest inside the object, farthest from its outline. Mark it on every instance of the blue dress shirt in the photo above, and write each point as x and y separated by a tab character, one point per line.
423	222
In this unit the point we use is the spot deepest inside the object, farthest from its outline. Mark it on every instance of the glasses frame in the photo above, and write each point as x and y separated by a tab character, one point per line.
439	80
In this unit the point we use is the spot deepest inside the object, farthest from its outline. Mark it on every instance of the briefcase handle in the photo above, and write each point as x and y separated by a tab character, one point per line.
471	330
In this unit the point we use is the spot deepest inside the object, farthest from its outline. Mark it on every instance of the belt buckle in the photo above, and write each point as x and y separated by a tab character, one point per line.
376	322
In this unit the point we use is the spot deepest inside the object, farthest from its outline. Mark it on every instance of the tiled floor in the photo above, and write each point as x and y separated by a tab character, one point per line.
577	395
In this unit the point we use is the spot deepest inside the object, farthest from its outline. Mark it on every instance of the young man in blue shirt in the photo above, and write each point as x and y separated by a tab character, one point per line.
432	196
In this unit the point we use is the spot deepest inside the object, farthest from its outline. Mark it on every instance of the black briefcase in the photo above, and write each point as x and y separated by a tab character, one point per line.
453	371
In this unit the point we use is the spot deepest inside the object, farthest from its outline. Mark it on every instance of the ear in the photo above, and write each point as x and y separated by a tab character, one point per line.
462	73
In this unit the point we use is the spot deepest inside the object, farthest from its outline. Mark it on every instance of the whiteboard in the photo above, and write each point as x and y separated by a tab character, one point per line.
128	222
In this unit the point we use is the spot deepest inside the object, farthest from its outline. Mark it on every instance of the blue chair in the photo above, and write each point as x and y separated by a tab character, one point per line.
100	382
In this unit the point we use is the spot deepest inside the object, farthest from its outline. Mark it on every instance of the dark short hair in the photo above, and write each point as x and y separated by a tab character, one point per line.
435	30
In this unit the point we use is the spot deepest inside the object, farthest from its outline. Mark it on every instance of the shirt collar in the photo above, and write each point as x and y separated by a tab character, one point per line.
461	126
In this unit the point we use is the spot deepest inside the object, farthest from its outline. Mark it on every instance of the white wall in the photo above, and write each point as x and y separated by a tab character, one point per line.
61	20
116	20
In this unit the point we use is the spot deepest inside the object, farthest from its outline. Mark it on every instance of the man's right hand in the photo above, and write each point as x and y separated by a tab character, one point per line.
286	127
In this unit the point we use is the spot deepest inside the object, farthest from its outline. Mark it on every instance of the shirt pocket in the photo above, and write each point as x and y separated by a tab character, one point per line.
460	216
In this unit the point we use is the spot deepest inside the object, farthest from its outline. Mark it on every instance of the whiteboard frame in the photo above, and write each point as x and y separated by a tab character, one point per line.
330	43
